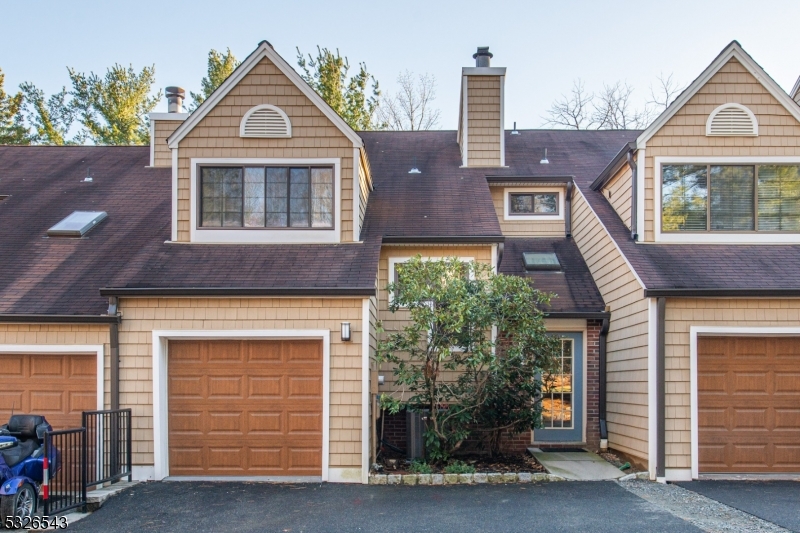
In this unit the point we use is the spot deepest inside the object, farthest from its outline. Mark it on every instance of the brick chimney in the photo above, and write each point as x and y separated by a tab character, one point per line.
480	125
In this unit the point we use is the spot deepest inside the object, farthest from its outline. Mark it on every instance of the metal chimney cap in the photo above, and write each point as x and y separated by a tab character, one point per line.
175	91
482	51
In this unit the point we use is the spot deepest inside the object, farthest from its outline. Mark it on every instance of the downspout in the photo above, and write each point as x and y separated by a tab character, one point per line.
500	249
634	198
602	399
661	306
114	355
568	208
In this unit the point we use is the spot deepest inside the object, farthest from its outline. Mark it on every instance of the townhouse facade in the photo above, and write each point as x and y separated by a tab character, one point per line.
226	282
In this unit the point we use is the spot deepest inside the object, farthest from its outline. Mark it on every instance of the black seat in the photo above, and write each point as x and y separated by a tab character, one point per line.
24	426
20	452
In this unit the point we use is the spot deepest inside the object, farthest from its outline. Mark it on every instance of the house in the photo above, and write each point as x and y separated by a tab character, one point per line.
225	283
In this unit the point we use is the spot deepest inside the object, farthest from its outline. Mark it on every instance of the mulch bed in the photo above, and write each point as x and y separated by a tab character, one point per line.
506	463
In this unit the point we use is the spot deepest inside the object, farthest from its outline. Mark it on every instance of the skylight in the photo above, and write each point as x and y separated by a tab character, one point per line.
77	224
540	261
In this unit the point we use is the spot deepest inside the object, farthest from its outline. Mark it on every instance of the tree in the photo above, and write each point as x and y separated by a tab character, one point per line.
664	92
220	66
51	118
613	110
446	362
12	127
410	109
572	111
113	109
327	75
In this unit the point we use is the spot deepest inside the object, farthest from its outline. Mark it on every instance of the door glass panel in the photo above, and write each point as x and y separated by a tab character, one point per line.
557	391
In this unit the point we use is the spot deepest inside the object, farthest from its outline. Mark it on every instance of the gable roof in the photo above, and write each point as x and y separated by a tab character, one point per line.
733	51
127	251
264	50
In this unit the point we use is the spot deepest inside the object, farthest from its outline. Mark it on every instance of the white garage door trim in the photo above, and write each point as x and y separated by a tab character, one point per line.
160	407
94	349
715	331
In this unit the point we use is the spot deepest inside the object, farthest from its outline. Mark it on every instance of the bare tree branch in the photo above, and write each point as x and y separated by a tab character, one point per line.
573	110
411	107
664	92
613	109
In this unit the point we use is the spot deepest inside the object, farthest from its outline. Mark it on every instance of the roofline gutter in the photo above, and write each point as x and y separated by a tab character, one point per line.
598	315
722	293
458	239
236	291
530	179
58	319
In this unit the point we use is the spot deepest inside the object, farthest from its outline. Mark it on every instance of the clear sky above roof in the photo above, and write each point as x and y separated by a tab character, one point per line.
544	45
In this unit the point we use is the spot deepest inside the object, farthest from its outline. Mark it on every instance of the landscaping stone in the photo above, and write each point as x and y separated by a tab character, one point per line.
479	478
509	477
410	479
450	479
465	478
553	477
540	476
524	477
495	477
643	475
437	479
378	479
393	479
628	477
423	479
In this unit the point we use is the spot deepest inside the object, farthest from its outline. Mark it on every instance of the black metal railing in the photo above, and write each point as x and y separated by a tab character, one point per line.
65	487
108	454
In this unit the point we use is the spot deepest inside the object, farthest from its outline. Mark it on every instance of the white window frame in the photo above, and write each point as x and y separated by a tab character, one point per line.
161	338
508	191
751	237
264	235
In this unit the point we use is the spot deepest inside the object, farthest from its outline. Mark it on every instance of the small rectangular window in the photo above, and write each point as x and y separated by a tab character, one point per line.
267	197
779	198
684	197
732	198
545	203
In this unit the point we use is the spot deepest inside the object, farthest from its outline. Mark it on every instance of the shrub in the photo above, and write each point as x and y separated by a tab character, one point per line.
459	467
420	467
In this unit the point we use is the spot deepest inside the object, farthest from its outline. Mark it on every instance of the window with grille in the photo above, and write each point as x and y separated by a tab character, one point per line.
266	197
557	390
730	198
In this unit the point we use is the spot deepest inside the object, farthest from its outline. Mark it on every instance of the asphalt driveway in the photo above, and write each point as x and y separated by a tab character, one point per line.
774	501
205	506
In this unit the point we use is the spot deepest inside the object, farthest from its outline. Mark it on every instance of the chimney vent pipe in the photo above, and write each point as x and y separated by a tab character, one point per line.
175	96
483	57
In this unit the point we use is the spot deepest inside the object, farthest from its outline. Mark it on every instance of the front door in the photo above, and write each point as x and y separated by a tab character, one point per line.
562	395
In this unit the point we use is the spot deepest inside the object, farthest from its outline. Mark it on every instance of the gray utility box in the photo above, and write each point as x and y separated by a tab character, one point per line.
415	429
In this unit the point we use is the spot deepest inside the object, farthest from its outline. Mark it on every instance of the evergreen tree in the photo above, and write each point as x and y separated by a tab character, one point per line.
12	127
51	118
114	109
327	74
220	66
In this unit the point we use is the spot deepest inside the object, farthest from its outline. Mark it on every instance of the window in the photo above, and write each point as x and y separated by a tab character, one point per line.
730	198
545	203
266	197
540	261
557	390
78	224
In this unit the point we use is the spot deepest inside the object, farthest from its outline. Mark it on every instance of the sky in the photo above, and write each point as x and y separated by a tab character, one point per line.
544	45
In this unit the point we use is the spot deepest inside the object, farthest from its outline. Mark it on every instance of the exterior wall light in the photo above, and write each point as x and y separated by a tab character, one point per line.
345	331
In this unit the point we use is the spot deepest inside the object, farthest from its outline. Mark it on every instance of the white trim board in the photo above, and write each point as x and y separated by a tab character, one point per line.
752	237
174	194
160	340
652	382
508	191
718	331
732	51
263	235
63	349
264	50
366	434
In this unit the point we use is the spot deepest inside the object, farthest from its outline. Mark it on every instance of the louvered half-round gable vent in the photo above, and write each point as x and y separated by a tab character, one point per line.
266	121
732	119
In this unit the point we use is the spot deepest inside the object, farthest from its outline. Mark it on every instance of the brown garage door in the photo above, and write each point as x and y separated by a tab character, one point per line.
749	404
58	386
248	407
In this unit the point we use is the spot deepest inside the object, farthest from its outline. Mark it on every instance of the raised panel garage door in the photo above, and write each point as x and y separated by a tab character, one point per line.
749	404
58	386
245	408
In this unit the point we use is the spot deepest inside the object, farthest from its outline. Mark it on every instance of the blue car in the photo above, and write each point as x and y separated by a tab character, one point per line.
22	465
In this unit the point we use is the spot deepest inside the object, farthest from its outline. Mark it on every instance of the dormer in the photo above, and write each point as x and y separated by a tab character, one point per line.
480	124
264	159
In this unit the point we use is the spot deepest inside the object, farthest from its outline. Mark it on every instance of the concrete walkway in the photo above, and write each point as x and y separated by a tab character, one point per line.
579	466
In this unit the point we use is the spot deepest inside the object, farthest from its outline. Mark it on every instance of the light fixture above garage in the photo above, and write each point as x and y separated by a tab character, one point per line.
345	331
